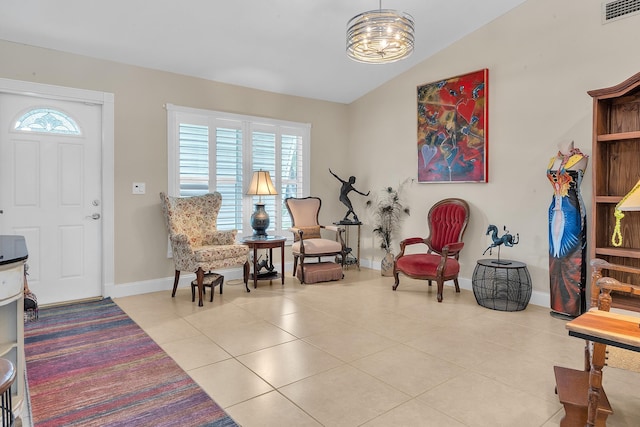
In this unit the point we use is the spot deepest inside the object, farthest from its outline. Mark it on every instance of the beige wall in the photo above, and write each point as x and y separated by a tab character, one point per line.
141	139
542	58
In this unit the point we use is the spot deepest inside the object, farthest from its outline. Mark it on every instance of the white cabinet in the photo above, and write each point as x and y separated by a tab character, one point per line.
12	259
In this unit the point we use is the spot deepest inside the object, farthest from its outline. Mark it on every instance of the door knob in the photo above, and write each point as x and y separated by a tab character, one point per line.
94	216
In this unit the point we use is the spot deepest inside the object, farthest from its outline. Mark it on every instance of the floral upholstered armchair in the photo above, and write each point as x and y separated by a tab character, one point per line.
197	245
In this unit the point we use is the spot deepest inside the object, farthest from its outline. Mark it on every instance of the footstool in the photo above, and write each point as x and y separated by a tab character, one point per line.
572	388
210	280
319	272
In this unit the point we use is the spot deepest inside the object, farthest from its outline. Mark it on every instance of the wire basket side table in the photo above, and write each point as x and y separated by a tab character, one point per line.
503	285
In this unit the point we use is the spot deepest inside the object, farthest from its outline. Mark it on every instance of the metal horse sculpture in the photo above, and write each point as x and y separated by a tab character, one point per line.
506	239
266	264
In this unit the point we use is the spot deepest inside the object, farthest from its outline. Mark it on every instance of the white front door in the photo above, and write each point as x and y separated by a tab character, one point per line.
50	192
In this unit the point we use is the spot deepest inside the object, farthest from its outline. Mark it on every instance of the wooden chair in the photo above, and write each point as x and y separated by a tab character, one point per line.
197	245
307	236
602	286
581	392
627	294
447	220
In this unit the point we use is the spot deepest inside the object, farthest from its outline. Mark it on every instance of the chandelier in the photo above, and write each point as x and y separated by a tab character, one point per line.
380	36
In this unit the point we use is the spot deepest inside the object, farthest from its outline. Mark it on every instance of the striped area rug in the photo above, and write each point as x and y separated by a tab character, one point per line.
89	364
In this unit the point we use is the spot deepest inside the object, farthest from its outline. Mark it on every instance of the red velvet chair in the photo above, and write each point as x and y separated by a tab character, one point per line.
447	221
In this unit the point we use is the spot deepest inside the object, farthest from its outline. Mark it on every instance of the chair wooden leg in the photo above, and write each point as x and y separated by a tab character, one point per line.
595	382
200	279
302	268
440	284
455	282
175	283
295	265
245	276
397	282
587	356
221	280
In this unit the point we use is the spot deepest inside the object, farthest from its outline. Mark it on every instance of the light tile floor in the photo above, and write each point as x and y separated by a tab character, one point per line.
356	353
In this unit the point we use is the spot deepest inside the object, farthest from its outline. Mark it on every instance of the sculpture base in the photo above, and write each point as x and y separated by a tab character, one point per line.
347	222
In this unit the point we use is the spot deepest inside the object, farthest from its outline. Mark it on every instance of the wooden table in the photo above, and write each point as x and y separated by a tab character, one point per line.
603	328
265	242
350	258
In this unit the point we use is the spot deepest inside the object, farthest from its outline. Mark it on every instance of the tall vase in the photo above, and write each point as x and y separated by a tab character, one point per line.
386	265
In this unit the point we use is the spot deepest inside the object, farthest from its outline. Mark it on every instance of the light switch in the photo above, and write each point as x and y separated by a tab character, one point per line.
139	188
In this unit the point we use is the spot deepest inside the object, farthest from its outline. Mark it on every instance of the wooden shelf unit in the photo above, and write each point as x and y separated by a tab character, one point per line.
615	164
12	328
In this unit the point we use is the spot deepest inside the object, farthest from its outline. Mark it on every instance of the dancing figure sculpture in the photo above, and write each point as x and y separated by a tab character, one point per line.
347	187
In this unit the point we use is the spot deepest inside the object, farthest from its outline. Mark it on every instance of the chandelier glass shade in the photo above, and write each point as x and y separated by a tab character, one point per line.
380	36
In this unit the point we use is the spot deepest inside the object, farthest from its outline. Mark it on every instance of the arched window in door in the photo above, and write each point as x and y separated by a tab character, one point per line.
47	120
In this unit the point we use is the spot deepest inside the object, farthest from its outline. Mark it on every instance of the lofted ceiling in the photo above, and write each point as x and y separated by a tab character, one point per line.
294	47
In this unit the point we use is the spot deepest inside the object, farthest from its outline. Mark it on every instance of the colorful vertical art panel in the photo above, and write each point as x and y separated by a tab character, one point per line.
453	129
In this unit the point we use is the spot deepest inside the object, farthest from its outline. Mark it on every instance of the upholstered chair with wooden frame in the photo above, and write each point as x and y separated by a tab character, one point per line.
307	233
447	221
197	245
602	286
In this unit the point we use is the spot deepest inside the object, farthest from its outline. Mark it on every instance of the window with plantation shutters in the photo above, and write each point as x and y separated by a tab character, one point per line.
194	159
227	174
214	151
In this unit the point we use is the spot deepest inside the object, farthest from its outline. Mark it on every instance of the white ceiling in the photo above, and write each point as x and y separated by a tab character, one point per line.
294	47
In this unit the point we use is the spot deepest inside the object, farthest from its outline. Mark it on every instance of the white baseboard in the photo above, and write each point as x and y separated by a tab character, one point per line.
541	299
162	284
166	283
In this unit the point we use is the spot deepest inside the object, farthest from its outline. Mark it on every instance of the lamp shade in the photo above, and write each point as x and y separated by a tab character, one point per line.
631	202
261	184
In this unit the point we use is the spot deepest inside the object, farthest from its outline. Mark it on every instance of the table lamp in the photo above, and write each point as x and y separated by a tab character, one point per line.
630	202
261	185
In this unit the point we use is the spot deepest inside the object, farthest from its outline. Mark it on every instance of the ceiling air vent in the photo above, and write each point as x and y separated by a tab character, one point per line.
618	9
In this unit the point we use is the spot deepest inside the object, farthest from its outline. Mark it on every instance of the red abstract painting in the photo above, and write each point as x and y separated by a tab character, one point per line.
453	129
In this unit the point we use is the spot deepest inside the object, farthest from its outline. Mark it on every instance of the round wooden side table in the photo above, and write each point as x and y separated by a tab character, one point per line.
265	242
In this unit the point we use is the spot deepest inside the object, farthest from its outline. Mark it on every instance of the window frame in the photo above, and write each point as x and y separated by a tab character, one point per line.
213	120
18	123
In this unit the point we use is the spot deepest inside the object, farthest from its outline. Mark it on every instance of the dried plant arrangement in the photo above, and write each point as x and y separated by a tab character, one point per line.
388	209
